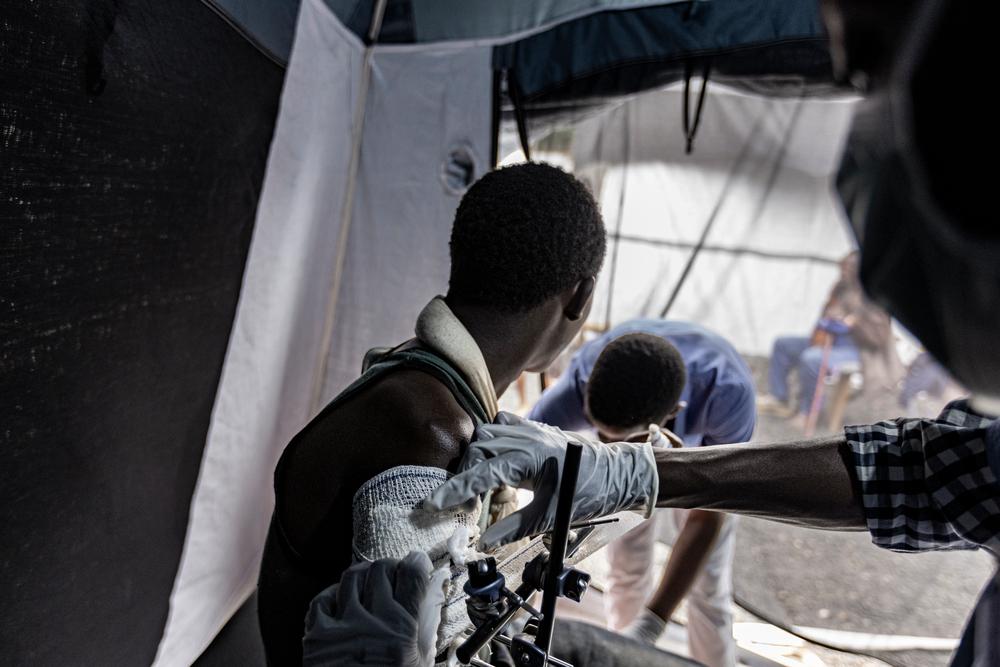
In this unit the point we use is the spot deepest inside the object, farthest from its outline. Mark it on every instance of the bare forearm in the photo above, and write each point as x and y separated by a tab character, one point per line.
805	483
689	552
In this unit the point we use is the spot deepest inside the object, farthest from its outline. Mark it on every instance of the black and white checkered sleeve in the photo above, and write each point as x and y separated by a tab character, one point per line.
927	483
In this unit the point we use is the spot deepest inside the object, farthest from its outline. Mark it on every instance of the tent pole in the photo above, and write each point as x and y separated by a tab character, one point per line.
347	209
520	114
495	118
712	217
772	179
618	220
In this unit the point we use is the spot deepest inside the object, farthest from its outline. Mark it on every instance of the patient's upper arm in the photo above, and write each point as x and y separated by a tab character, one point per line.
421	420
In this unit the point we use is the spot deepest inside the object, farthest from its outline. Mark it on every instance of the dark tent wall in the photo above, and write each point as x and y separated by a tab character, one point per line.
133	139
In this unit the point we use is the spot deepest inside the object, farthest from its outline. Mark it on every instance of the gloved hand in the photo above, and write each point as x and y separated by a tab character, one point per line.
661	436
646	627
382	613
530	455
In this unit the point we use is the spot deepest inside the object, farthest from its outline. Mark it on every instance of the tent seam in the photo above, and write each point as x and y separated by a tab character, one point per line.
243	32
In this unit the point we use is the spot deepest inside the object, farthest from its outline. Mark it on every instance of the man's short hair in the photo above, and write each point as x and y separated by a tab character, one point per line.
522	235
636	381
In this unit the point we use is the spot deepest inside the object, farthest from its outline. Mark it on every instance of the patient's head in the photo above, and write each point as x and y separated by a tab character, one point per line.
636	381
527	243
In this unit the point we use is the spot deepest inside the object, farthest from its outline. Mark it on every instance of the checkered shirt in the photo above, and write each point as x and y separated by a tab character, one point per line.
930	483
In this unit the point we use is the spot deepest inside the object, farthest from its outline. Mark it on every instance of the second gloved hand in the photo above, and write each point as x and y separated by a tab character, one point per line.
646	628
530	455
386	612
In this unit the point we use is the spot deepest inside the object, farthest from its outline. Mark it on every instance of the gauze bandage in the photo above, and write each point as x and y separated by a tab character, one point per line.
389	522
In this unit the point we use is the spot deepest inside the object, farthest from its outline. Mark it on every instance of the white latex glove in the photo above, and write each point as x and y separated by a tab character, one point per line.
660	436
646	628
386	612
526	454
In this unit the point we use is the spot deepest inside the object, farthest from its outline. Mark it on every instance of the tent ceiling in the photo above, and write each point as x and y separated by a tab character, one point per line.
777	48
270	24
569	44
768	37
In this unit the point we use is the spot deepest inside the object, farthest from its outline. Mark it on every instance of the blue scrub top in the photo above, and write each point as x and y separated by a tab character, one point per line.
719	392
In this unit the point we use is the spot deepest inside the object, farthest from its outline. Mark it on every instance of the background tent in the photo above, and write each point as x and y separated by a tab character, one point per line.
134	139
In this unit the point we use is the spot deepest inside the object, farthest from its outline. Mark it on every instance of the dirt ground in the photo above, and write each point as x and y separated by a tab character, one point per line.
797	576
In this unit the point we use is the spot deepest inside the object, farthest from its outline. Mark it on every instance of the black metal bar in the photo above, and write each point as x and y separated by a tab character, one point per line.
595	522
520	114
560	536
495	119
553	661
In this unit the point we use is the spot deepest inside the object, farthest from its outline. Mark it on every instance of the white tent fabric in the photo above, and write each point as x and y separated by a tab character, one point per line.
423	102
762	167
261	399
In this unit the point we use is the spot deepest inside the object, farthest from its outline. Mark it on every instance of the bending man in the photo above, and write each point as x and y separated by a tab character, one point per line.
693	383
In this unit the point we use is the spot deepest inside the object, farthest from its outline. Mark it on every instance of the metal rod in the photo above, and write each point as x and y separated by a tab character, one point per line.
596	522
552	661
560	536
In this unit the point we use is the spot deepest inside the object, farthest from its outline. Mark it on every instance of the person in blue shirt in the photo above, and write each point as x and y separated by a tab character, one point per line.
689	381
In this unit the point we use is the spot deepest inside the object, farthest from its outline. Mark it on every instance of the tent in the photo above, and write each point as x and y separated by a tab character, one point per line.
212	209
712	236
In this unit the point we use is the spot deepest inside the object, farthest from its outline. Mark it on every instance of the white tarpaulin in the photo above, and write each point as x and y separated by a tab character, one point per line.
760	172
261	399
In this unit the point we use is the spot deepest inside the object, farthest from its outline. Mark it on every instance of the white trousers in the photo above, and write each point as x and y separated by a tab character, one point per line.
631	584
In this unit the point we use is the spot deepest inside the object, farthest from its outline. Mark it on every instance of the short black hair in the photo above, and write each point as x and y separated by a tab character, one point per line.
637	379
523	234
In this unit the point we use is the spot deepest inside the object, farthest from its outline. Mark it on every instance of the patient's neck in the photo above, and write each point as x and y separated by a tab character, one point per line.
507	341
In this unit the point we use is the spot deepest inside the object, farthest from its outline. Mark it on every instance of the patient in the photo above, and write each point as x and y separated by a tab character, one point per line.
526	246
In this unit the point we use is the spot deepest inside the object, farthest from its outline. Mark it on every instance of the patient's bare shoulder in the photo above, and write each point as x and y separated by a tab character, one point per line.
419	422
405	418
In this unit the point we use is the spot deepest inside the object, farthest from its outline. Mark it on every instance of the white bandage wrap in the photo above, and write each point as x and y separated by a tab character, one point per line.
389	522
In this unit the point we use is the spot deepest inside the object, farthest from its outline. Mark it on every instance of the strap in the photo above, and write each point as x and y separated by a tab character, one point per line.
423	360
691	126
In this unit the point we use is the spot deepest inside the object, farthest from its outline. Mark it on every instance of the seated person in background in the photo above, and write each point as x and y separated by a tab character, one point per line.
691	382
856	331
526	247
927	382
